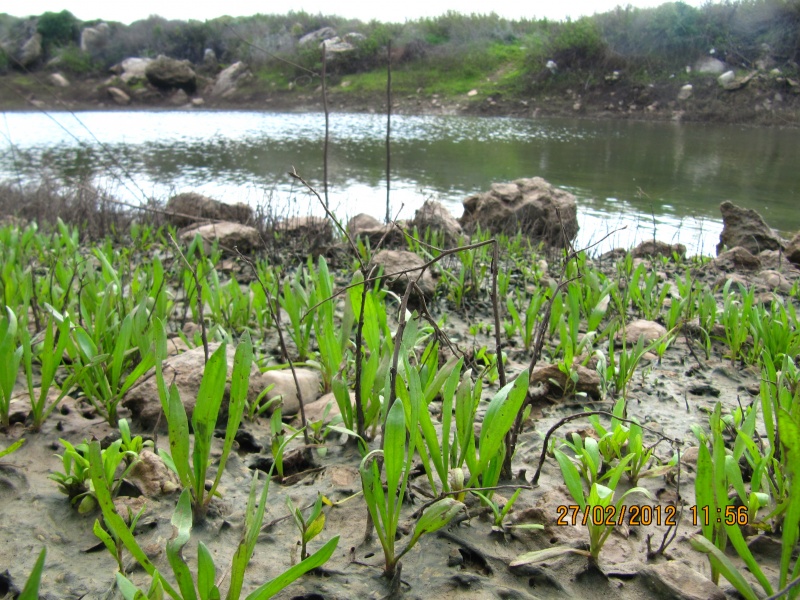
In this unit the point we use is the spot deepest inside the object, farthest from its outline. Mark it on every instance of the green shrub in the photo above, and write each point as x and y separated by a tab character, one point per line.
58	29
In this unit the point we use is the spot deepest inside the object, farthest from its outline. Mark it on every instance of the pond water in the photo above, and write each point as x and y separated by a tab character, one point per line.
666	177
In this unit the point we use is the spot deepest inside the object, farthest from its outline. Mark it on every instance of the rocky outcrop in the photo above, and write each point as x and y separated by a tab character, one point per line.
650	331
230	236
229	78
368	227
651	248
95	39
132	70
553	381
31	51
737	259
169	73
708	65
190	207
744	227
314	234
793	249
434	216
58	80
394	261
119	96
532	206
316	37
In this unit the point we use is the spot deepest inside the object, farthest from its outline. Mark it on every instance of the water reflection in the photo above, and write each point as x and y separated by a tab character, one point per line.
648	176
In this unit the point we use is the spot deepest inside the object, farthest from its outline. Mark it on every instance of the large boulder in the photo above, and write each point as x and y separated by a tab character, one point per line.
314	234
737	259
744	227
368	227
31	51
229	78
708	65
434	216
231	236
397	261
169	73
532	206
95	39
186	371
132	69
793	249
316	37
652	248
119	96
190	207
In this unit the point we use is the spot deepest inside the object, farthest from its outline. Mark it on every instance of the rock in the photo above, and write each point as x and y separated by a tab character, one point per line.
210	60
179	98
284	386
132	70
709	66
685	92
231	236
58	80
793	249
118	96
726	78
679	581
336	45
169	73
775	281
394	261
190	207
186	371
312	233
472	92
737	259
95	39
229	78
545	375
738	84
744	227
649	330
31	51
434	216
152	476
317	36
316	410
652	248
363	225
176	346
531	206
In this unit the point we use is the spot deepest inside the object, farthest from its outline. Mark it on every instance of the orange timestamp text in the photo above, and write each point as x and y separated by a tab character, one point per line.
635	514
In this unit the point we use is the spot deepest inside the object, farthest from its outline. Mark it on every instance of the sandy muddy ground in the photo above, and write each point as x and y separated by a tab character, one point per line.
464	560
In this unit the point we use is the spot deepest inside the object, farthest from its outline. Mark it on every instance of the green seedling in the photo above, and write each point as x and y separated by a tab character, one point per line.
132	445
100	375
12	448
298	296
309	527
736	318
384	506
595	510
501	512
31	589
112	541
204	585
10	356
49	355
714	476
75	480
644	292
192	468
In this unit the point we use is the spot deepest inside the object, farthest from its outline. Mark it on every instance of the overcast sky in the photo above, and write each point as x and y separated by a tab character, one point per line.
366	10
